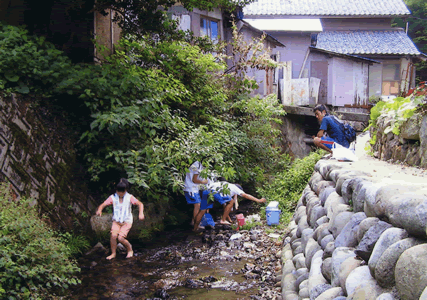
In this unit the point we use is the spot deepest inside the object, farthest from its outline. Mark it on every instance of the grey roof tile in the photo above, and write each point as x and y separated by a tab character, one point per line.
367	42
326	8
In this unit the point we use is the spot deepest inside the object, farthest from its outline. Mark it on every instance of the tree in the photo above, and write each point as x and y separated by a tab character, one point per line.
417	31
155	105
140	18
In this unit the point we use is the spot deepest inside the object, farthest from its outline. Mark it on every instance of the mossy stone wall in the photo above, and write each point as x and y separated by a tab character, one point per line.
37	160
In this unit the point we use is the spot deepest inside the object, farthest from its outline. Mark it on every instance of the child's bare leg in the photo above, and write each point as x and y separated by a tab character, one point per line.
127	245
113	245
195	212
226	213
198	218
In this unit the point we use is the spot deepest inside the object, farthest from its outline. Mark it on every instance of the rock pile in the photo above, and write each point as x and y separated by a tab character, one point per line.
355	237
259	253
244	264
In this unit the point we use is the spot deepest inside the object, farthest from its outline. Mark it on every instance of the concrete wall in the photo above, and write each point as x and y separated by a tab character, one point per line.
354	236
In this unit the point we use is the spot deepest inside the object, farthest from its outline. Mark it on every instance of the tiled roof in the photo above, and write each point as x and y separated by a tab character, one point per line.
273	8
367	42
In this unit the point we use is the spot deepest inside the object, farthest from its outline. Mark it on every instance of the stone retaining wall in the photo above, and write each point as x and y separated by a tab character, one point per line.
39	162
354	236
409	147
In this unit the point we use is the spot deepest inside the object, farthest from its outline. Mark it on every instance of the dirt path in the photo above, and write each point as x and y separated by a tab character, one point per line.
390	173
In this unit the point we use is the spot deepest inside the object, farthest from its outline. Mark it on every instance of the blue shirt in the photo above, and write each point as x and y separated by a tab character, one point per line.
334	131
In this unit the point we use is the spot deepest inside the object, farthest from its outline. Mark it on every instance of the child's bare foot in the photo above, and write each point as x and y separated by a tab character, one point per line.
224	222
130	254
111	256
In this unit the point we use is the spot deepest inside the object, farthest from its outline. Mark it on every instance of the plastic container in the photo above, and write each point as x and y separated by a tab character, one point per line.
273	213
240	220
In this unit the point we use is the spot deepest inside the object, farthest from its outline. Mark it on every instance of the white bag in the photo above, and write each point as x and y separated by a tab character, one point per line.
343	154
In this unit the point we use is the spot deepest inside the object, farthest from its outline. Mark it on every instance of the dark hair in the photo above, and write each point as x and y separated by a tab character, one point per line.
239	186
121	186
320	107
220	178
125	181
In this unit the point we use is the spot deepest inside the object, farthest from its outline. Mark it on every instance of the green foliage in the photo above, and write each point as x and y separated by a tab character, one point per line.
155	106
398	110
248	225
287	186
29	63
374	99
77	244
34	262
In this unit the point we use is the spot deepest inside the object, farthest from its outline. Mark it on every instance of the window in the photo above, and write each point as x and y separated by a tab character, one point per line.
209	28
391	77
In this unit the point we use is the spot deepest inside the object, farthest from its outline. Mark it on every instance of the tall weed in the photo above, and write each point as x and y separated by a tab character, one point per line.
287	186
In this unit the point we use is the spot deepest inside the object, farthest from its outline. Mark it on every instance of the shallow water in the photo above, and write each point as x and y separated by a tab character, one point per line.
159	265
136	278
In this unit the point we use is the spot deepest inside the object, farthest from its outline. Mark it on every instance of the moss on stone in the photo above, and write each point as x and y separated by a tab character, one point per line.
21	137
23	175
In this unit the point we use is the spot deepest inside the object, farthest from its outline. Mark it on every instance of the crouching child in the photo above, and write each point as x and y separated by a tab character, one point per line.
122	203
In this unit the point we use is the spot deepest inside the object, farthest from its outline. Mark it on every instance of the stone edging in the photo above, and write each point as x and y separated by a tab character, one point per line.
355	237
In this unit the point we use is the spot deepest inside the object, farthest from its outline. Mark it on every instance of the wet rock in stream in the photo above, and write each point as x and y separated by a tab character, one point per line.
246	262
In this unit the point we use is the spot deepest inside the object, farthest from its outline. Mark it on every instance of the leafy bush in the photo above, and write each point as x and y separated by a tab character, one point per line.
155	106
287	186
29	63
398	110
34	263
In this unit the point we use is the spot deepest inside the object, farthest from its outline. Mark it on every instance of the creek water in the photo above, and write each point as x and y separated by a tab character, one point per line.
136	278
176	264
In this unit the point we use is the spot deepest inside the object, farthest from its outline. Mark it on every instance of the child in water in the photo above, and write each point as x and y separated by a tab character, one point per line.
122	216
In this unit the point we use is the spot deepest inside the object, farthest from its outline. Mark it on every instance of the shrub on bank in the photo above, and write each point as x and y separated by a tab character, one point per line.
28	63
34	262
286	186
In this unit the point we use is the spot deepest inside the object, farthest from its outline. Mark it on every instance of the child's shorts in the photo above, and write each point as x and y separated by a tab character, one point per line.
205	204
192	198
120	229
222	199
327	141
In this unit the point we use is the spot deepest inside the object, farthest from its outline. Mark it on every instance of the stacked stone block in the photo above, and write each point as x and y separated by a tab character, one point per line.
356	237
37	160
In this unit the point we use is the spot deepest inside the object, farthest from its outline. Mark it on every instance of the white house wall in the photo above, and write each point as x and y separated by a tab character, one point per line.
342	87
375	80
295	50
319	58
356	24
360	83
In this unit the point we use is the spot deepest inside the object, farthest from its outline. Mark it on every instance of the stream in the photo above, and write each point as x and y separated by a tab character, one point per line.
220	263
